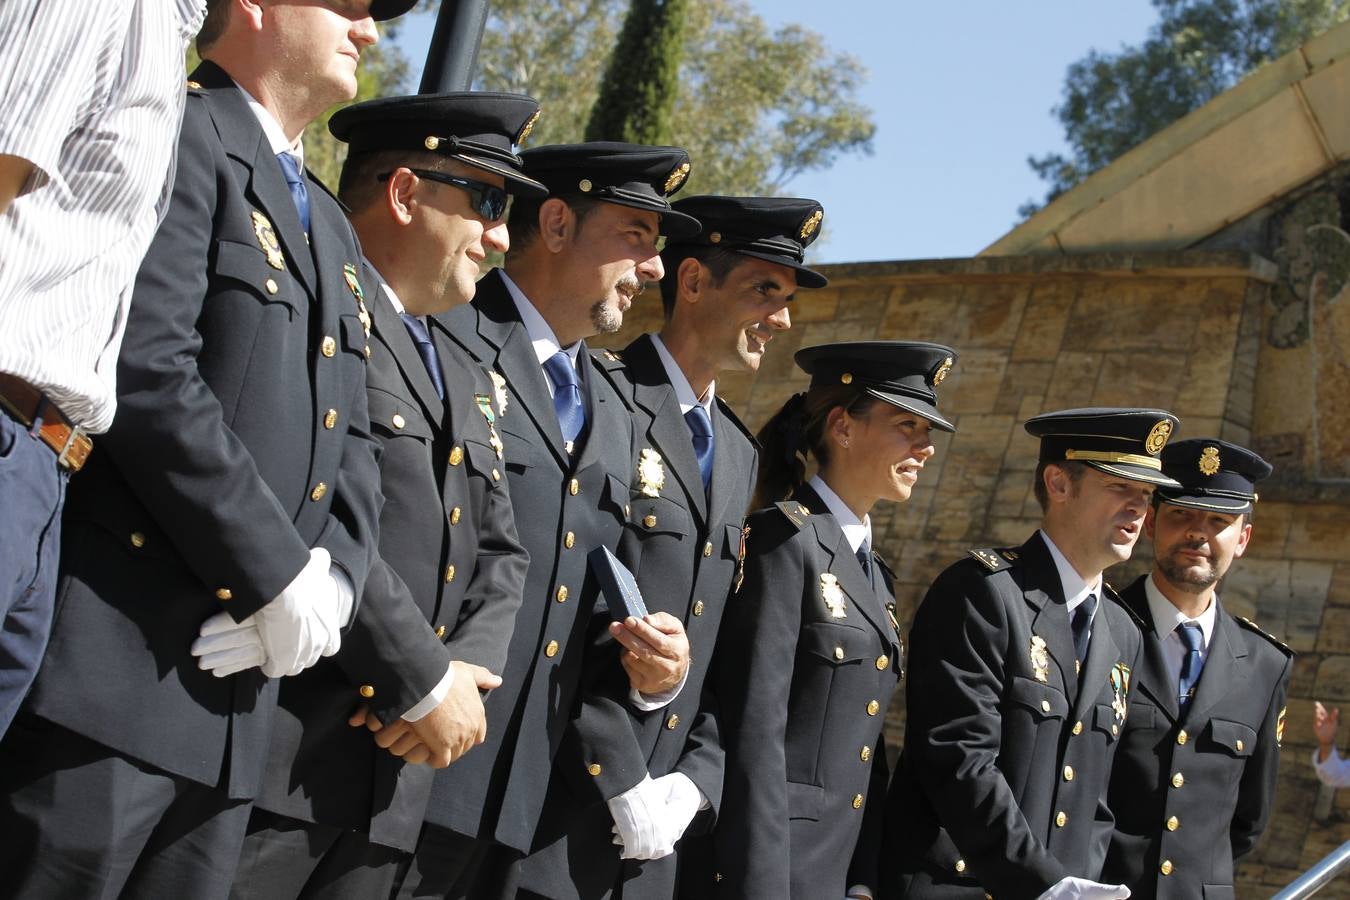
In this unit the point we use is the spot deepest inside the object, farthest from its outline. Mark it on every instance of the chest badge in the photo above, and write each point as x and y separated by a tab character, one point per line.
651	472
1040	659
498	388
833	595
485	407
1120	690
267	240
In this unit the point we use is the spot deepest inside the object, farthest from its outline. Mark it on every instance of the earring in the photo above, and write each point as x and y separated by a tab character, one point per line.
845	442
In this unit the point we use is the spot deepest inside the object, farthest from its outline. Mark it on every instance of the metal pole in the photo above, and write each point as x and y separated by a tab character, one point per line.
453	53
1316	878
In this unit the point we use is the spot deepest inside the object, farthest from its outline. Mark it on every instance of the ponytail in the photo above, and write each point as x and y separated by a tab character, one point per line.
796	432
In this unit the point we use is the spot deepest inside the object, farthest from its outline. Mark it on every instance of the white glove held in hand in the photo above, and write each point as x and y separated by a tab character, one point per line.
226	646
1072	888
653	814
302	623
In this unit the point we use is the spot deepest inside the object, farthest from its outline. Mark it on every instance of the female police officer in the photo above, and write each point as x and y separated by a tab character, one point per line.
810	651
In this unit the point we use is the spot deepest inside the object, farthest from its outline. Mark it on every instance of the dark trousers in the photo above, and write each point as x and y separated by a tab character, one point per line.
287	859
32	489
81	821
451	866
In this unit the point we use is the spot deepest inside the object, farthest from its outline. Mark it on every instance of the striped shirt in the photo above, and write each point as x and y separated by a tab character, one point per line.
91	93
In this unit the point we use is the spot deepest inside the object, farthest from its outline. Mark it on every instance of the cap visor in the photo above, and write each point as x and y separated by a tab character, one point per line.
383	10
516	183
1232	505
1134	473
807	278
918	407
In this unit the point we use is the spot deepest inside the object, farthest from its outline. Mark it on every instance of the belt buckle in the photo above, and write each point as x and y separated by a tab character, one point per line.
76	432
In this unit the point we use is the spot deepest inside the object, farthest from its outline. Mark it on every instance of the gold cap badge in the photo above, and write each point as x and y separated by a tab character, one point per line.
942	371
811	224
1209	460
1157	437
527	128
677	177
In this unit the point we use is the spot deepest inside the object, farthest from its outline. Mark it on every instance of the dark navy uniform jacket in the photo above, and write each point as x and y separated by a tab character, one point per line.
242	440
564	507
683	545
802	695
1191	794
1002	785
447	586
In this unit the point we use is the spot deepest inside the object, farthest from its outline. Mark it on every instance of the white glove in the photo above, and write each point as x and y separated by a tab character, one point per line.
652	815
303	622
225	646
859	892
1072	888
683	801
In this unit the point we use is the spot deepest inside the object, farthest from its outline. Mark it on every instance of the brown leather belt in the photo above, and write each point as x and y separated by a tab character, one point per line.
67	440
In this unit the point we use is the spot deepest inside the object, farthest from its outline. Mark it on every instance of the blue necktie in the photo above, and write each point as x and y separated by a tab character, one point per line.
701	427
865	560
1082	620
426	350
1191	664
296	182
566	396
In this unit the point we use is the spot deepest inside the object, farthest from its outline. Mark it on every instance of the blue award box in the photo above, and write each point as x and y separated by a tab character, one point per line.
617	584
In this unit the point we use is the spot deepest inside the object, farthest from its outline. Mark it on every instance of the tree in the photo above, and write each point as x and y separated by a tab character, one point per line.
637	95
755	107
1197	50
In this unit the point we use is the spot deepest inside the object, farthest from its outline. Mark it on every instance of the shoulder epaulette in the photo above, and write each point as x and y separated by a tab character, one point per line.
735	420
1252	626
609	359
796	513
995	560
194	87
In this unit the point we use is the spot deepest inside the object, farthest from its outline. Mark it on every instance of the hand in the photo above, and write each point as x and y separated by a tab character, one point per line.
1072	888
656	657
224	646
301	623
458	723
650	817
1325	726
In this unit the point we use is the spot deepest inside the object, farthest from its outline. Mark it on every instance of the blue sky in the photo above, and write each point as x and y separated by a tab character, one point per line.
961	93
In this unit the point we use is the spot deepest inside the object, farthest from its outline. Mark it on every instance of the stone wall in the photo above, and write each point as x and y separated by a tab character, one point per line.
1190	332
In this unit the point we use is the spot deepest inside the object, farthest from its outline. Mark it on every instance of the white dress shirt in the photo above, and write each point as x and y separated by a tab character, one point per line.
856	531
1167	619
684	391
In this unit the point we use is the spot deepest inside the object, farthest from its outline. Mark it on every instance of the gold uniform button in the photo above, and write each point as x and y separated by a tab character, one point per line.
1173	823
496	476
1238	745
839	653
1166	867
707	550
137	540
698	607
857	801
865	754
594	769
456	455
1045	706
673	722
1178	780
873	707
1115	730
1061	819
398	421
1182	737
319	490
328	347
224	594
271	286
455	514
551	651
562	593
366	691
449	573
330	419
1068	773
649	521
569	540
960	865
883	661
574	487
440	631
1077	727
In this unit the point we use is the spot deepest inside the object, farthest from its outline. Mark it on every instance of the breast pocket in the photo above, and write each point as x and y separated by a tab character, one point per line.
481	460
393	417
247	267
1229	738
651	516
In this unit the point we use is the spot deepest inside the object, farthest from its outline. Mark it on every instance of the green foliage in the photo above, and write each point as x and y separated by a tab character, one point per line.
755	108
1198	49
637	94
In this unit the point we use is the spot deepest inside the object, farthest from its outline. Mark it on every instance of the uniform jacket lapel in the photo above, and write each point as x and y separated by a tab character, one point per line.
1044	593
1154	679
653	392
1102	655
390	330
728	477
1223	662
844	566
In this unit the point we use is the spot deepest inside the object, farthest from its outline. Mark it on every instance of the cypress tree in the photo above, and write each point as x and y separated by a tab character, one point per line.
637	94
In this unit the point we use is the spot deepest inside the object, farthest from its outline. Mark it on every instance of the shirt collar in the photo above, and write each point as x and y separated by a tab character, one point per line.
856	531
1076	590
684	391
1167	618
393	298
276	138
541	335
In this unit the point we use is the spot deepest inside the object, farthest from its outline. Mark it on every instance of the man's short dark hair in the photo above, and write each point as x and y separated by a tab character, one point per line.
213	26
720	263
1072	468
522	222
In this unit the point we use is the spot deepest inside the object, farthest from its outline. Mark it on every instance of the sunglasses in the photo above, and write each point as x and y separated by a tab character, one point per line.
489	201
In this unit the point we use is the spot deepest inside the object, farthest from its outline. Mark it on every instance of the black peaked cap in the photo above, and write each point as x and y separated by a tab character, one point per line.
1213	474
1125	442
777	229
903	373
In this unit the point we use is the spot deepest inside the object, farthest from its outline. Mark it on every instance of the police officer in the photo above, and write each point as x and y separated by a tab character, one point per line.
725	293
810	652
337	812
1021	667
577	261
231	512
1194	779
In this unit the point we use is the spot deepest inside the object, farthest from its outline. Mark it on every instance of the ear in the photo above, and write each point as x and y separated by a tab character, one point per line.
1058	486
689	277
401	195
250	12
1149	516
1243	539
557	223
839	426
